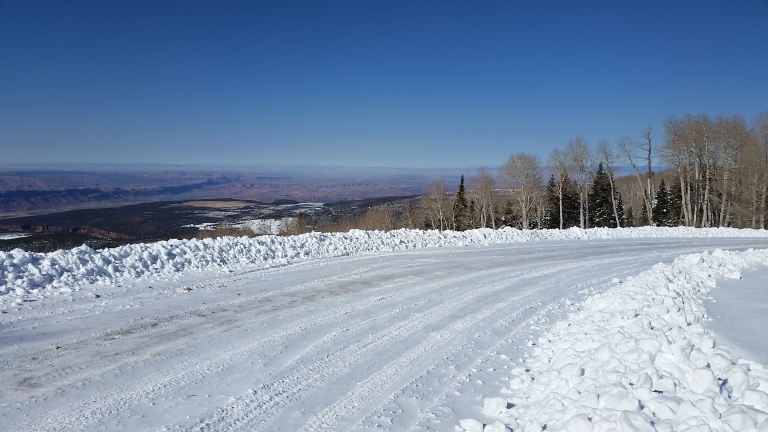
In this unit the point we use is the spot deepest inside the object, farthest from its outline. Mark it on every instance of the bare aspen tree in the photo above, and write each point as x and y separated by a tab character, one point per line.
558	165
647	152
605	153
706	153
522	173
629	149
721	167
749	176
675	153
482	189
435	204
409	217
580	162
760	128
380	218
731	136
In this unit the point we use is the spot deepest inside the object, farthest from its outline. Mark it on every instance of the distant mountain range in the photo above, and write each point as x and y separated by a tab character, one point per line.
25	192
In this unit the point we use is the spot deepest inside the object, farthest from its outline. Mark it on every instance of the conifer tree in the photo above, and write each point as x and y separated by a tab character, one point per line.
629	220
570	204
461	209
675	194
661	216
510	218
552	205
643	221
600	202
472	215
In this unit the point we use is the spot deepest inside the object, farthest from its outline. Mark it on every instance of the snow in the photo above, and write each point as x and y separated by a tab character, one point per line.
61	272
491	331
12	236
206	226
738	309
638	358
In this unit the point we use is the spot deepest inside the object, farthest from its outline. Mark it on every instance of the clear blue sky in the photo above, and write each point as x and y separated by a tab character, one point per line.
363	83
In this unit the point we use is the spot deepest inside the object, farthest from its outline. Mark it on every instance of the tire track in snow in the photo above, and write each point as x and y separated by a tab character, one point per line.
262	405
354	401
436	393
358	399
64	376
104	404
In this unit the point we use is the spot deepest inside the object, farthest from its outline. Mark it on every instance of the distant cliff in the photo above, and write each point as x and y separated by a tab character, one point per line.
29	201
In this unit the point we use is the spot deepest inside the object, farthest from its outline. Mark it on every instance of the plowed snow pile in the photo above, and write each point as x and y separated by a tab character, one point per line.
637	358
24	273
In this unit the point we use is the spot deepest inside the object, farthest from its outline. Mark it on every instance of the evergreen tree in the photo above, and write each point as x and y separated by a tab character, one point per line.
629	220
552	209
600	203
643	221
570	205
620	209
510	218
661	216
473	217
461	209
675	204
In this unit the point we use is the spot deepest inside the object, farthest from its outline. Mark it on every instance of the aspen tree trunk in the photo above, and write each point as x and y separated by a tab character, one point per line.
586	208
684	199
560	195
705	215
724	201
761	205
755	204
613	202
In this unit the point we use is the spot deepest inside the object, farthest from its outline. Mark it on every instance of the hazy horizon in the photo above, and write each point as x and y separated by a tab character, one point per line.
108	166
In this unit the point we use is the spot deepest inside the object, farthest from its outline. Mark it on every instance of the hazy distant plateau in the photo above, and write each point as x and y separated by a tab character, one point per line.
44	189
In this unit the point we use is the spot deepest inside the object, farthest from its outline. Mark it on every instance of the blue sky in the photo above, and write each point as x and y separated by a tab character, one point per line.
363	83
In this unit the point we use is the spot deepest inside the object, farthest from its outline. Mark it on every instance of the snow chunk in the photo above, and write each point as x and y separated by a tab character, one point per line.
471	425
494	406
636	358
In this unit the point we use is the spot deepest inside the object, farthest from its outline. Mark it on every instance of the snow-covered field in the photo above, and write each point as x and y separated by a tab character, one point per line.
12	236
384	331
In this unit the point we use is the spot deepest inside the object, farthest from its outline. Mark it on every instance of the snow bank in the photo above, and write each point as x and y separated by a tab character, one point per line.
637	358
23	273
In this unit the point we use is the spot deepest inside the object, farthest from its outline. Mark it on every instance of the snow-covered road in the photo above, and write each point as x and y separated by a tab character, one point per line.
393	340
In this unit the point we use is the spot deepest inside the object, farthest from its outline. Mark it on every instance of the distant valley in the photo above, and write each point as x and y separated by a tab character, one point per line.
31	192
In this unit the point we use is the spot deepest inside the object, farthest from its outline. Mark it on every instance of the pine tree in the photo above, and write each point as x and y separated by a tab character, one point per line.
629	220
675	204
661	216
510	218
472	215
570	205
643	221
600	203
552	212
461	209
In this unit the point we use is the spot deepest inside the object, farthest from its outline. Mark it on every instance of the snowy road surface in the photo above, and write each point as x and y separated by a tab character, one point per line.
394	340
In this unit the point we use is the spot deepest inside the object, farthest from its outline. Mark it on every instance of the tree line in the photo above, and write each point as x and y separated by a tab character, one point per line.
716	175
